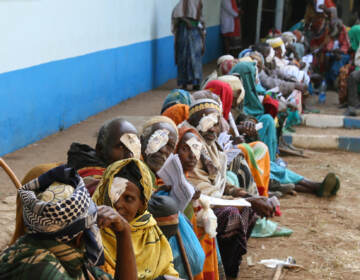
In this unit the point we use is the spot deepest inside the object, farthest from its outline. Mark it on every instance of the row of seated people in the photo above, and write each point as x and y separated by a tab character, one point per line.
107	212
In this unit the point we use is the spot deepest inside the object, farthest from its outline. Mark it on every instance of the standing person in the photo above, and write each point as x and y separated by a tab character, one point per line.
230	23
353	81
189	31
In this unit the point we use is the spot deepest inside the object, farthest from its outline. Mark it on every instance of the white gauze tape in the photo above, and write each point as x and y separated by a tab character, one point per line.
271	55
157	140
132	142
208	122
195	146
117	188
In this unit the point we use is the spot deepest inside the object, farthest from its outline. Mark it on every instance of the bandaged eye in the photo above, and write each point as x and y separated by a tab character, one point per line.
117	188
195	146
132	143
207	122
271	55
157	140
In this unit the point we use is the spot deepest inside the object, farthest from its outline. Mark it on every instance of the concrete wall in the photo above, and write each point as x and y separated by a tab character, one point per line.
63	61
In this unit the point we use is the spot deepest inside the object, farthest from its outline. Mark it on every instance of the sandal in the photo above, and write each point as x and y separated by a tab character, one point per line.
329	185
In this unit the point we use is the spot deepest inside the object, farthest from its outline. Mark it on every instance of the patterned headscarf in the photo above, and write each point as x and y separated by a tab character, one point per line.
57	206
203	104
176	96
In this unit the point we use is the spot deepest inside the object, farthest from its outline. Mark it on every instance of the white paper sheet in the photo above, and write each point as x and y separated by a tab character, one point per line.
214	201
173	175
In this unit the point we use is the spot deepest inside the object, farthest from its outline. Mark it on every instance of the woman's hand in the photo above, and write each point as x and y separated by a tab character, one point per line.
261	206
108	217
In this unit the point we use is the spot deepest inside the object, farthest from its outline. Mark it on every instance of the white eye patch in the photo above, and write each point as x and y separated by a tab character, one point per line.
117	188
132	142
208	122
157	140
195	146
271	55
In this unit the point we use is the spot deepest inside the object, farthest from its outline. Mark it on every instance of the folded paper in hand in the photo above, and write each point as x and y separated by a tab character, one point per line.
214	201
173	175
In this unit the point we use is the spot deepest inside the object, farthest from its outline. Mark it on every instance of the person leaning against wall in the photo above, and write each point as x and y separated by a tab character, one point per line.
189	30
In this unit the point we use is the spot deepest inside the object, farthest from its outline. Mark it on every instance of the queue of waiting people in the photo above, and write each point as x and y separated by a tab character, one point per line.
109	212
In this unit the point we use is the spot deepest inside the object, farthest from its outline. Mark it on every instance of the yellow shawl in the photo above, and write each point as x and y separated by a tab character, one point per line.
152	250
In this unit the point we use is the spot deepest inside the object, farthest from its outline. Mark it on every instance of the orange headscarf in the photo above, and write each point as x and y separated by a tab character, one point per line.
178	113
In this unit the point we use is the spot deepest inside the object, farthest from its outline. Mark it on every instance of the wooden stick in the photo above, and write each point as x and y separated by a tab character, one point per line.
183	255
278	271
10	173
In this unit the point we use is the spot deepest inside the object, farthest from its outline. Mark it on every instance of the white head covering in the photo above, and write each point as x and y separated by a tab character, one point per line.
223	58
236	86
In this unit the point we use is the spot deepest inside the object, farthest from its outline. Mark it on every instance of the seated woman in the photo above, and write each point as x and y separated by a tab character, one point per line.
62	239
158	140
189	149
253	106
127	186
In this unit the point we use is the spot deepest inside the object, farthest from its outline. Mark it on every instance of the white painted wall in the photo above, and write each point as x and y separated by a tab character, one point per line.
39	31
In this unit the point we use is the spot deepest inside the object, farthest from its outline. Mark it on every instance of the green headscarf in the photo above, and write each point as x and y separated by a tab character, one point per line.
252	104
354	35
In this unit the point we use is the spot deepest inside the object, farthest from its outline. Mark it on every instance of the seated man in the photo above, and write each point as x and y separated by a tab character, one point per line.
234	226
63	239
117	139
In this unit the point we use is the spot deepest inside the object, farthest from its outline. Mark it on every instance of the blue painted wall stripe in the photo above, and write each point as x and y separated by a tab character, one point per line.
352	123
43	99
351	144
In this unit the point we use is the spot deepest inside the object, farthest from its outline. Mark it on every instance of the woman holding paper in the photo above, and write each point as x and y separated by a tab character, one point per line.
189	151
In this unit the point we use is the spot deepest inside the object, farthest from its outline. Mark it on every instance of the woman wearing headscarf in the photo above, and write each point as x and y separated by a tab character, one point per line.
189	149
176	96
62	239
159	139
127	186
253	106
189	31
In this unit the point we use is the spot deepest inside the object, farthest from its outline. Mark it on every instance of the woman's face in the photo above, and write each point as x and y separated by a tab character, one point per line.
187	157
156	160
130	204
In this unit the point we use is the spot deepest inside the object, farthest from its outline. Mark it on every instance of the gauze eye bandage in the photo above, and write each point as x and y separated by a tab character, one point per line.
117	188
132	142
195	146
283	50
208	122
157	140
271	55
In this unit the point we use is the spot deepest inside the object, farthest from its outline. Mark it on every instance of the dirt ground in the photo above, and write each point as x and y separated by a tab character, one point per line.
326	238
